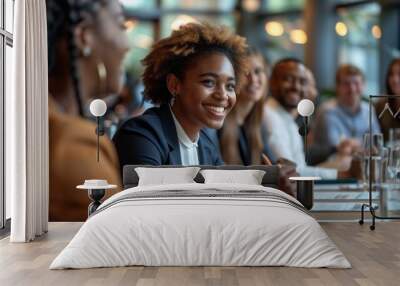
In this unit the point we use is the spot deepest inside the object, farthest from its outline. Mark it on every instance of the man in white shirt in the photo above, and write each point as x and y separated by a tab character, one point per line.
287	86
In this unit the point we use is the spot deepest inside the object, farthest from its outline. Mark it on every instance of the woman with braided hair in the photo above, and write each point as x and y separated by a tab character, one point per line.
86	45
193	75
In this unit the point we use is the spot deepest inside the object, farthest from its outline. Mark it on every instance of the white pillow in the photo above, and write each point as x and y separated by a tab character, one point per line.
164	176
248	177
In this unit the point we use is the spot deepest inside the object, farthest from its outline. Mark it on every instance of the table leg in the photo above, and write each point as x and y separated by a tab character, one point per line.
95	195
305	193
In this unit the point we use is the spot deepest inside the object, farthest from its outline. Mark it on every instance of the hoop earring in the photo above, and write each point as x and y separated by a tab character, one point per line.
102	75
86	51
172	100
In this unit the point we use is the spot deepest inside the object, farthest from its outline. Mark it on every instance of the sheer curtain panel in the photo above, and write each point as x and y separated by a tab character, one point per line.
27	145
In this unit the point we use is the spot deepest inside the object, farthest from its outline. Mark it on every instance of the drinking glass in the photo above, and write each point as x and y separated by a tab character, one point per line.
384	185
377	151
377	143
393	166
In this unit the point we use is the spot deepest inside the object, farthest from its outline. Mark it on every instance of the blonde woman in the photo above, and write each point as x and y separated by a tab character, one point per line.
242	138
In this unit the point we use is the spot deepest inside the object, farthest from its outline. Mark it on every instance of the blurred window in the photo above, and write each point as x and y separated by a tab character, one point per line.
146	22
284	37
217	12
141	37
226	5
9	15
282	5
171	22
139	4
283	29
6	65
358	33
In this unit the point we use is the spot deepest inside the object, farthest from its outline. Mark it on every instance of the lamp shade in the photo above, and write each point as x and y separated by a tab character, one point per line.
98	107
305	107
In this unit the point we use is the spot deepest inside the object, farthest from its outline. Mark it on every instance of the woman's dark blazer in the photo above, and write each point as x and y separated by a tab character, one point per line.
151	139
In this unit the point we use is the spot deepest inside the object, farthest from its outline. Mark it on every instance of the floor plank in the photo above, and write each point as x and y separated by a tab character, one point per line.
374	255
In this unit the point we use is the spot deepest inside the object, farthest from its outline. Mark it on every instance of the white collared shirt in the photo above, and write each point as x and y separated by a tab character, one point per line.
188	148
285	141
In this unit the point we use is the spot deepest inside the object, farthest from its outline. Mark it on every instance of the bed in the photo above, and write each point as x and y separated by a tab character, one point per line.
198	224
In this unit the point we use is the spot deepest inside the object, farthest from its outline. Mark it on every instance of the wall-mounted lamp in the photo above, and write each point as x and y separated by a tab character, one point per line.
305	108
98	108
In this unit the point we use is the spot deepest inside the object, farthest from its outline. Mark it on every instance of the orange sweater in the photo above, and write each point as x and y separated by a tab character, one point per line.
73	147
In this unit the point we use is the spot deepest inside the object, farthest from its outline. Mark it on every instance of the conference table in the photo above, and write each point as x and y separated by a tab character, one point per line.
342	199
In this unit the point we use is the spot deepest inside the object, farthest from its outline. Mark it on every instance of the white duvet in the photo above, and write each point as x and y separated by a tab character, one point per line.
206	230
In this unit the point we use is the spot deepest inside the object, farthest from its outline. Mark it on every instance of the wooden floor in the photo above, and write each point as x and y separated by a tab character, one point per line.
374	255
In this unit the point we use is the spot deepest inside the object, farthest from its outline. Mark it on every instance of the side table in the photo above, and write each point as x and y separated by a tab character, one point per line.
96	190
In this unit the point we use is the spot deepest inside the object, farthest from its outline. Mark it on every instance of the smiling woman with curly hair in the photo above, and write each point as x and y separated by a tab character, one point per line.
193	75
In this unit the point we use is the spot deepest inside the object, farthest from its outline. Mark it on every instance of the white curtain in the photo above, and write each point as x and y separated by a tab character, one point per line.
27	146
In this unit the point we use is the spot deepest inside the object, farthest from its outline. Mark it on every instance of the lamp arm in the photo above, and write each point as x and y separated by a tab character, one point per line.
305	145
306	121
98	137
100	126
